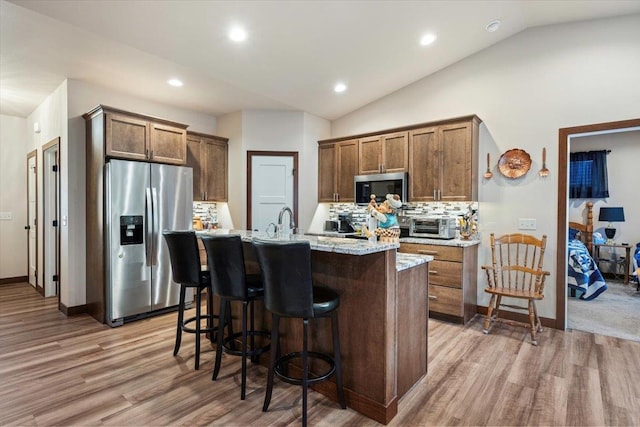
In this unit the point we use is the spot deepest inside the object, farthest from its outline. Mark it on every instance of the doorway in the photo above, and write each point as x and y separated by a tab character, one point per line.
564	137
51	217
32	220
272	183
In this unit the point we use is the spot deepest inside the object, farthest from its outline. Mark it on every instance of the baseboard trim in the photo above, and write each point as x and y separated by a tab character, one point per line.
10	280
72	311
519	317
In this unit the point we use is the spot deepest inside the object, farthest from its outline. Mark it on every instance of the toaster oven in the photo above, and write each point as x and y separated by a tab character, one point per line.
433	227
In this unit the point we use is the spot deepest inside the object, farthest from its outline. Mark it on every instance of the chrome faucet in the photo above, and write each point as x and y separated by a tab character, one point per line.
292	224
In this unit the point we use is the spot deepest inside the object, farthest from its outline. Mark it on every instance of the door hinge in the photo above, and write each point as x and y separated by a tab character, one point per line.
55	223
35	221
54	168
56	278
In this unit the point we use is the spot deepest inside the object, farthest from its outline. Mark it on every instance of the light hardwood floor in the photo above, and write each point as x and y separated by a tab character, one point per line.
74	371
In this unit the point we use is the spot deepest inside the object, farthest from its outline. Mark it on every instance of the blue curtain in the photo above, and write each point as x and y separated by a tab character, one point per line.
588	175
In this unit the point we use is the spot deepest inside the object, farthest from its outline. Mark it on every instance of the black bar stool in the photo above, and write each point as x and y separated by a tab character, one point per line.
229	280
289	292
188	273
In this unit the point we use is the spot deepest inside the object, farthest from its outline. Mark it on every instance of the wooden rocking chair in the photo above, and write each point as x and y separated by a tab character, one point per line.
516	272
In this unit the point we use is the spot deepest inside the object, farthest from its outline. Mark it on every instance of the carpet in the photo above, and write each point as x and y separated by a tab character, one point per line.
616	312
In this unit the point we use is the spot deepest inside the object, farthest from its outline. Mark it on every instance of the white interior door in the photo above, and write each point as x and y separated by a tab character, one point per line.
272	182
32	226
51	226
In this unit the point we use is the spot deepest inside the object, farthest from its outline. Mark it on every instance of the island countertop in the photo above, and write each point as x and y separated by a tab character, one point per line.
334	244
318	243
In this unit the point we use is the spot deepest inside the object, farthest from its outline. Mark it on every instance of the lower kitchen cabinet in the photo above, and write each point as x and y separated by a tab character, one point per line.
452	279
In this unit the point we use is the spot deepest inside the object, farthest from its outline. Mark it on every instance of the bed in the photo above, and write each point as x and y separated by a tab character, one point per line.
583	276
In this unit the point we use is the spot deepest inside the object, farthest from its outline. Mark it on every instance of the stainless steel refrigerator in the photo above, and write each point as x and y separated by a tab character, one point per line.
143	199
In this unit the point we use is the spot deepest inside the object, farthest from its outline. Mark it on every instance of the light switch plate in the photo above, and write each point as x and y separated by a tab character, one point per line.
526	223
6	216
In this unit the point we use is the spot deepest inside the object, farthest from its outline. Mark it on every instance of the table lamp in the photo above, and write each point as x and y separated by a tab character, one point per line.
611	215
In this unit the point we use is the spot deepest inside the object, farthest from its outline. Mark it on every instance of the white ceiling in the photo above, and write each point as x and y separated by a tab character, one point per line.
295	52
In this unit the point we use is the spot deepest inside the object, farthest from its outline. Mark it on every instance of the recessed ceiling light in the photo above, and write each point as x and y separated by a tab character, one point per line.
427	39
175	82
493	26
340	87
238	34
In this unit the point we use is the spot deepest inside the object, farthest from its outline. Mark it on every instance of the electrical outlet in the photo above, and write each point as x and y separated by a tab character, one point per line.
526	223
6	216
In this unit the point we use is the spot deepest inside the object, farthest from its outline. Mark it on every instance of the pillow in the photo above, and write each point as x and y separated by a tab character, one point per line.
573	233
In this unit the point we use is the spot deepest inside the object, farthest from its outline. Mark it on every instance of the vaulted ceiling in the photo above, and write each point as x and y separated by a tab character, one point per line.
294	54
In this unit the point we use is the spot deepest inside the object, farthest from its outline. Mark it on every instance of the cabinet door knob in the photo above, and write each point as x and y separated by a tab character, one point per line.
433	297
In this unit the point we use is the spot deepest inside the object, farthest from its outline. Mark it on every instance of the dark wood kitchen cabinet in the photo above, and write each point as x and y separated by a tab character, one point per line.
452	279
207	155
385	153
443	162
136	137
337	165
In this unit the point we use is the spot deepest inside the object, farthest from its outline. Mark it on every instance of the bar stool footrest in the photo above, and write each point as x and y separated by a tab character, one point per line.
252	353
189	329
279	368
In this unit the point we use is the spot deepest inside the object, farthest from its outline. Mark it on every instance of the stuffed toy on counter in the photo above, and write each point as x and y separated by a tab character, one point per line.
388	229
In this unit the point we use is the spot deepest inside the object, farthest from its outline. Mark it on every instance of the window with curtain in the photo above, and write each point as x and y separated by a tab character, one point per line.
588	175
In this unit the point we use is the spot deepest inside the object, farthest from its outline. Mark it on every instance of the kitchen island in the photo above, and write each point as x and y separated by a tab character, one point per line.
383	318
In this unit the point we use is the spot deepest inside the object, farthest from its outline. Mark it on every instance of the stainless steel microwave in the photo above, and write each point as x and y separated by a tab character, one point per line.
380	185
433	227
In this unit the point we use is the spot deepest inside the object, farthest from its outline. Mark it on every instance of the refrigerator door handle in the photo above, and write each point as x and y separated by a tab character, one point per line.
149	229
156	226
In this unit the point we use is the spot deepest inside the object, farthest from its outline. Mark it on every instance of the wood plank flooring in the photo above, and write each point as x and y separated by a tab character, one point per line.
74	371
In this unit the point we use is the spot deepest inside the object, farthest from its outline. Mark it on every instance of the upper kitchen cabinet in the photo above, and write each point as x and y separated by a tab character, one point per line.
208	156
337	165
443	161
137	137
386	153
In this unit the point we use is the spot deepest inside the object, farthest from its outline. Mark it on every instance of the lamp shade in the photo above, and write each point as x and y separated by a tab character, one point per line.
611	214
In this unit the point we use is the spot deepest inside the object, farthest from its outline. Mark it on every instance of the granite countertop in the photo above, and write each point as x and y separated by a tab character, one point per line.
318	243
442	242
405	261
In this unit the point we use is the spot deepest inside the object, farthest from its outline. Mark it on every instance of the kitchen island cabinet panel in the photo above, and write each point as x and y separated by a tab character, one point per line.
382	315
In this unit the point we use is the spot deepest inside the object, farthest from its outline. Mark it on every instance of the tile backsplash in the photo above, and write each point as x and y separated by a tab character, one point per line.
207	212
360	215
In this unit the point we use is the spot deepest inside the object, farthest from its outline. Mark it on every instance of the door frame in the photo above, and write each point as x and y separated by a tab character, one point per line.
49	145
33	154
250	155
563	165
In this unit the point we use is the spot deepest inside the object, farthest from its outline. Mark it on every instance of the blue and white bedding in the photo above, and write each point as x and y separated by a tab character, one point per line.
583	274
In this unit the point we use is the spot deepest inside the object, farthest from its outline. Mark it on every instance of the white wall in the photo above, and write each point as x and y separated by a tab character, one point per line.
623	169
525	89
52	118
262	130
13	196
230	126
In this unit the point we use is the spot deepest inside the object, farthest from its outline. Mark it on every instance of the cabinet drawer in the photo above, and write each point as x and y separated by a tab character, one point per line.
447	253
445	300
445	273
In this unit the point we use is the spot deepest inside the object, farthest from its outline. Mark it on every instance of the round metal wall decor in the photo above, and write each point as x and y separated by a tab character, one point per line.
514	163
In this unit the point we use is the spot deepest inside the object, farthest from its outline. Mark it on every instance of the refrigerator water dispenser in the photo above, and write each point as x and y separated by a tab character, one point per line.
131	230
